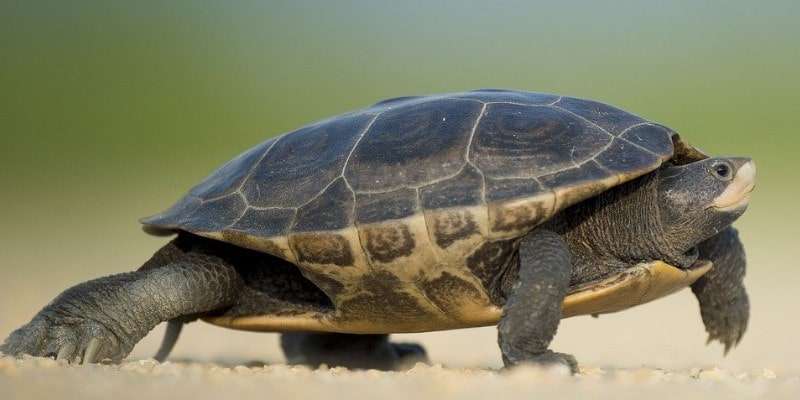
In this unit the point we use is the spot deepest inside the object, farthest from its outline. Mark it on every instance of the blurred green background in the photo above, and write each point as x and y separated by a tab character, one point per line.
110	110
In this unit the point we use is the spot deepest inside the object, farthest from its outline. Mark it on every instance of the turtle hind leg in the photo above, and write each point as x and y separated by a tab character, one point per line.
103	319
350	351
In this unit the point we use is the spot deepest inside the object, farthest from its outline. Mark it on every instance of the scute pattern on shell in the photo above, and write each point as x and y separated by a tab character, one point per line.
406	212
404	155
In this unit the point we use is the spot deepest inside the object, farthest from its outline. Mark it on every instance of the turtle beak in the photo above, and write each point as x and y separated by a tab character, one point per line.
737	194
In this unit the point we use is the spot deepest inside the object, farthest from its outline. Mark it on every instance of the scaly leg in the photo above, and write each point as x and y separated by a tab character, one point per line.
103	319
724	305
533	310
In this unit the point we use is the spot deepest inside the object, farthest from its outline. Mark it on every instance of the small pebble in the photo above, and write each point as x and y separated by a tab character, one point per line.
242	370
768	374
714	374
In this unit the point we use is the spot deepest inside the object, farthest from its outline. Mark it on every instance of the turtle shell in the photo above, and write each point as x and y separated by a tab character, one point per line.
419	201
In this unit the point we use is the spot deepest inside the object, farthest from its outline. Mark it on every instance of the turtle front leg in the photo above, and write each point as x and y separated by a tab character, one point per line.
533	310
103	319
724	305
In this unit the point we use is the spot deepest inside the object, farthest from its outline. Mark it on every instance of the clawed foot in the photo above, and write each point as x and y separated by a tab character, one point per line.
727	323
74	340
546	359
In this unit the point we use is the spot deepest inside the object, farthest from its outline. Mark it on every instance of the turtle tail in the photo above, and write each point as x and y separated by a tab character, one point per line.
174	328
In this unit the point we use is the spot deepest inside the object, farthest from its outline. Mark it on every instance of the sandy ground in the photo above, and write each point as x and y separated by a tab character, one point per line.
41	378
655	350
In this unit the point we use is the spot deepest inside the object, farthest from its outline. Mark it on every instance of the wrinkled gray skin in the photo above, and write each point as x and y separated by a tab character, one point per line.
105	318
724	305
664	215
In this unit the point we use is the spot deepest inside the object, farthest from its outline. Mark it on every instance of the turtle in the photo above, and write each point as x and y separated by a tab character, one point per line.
423	213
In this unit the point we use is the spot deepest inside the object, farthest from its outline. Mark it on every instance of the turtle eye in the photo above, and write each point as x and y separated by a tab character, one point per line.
722	170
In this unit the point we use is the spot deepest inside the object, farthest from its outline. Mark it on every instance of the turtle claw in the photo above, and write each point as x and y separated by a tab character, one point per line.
66	352
728	339
727	325
92	350
67	340
26	340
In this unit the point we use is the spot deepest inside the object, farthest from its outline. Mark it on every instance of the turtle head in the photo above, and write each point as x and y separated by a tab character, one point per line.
699	199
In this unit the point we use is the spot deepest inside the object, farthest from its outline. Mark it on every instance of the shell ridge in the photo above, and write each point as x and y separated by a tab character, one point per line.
554	207
460	170
427	225
468	159
417	287
342	174
465	99
422	294
575	165
609	133
256	164
241	214
261	208
636	125
316	196
353	150
241	184
562	182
